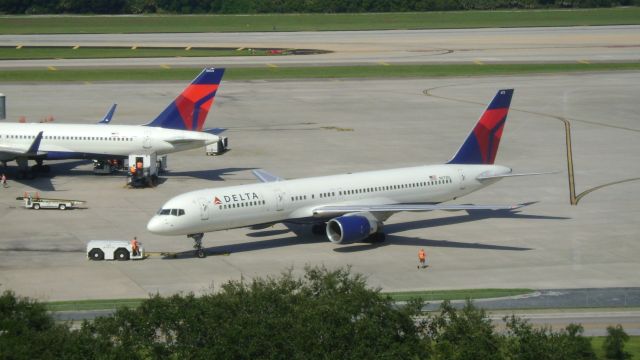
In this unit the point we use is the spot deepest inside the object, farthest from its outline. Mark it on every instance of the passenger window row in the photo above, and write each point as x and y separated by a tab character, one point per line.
61	137
242	204
375	189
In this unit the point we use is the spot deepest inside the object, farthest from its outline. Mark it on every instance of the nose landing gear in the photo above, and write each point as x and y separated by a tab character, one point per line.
197	238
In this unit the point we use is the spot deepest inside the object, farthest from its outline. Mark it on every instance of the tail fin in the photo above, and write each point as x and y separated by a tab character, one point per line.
189	110
481	146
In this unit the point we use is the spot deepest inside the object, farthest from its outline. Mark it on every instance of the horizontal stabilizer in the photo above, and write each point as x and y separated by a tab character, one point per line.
264	176
214	131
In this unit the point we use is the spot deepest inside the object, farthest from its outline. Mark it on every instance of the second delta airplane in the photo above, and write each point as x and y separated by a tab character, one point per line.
349	207
177	128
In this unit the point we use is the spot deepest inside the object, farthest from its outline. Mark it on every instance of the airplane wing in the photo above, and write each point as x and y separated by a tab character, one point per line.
10	152
344	209
179	141
492	176
264	176
107	117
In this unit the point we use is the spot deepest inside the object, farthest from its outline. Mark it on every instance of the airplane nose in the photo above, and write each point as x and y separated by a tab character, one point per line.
156	225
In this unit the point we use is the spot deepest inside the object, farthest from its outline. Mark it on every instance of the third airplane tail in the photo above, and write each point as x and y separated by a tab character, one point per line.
481	146
189	110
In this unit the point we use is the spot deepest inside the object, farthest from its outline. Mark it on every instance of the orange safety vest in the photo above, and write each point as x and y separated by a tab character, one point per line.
422	255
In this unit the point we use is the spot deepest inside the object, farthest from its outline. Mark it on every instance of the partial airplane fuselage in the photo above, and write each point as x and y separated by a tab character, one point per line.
93	141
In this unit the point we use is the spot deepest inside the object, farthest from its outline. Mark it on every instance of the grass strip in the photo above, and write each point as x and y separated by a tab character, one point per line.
632	346
262	73
81	305
94	52
316	22
472	294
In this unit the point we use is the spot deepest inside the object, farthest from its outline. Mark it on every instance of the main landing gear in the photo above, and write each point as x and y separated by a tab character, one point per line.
197	238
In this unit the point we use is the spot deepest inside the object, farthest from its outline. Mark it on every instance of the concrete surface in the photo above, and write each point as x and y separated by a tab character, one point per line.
306	128
548	44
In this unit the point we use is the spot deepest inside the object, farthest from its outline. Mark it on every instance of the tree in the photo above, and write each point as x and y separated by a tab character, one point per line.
614	343
325	314
463	334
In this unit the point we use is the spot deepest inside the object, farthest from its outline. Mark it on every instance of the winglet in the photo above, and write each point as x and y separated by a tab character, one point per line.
35	145
264	176
481	146
107	117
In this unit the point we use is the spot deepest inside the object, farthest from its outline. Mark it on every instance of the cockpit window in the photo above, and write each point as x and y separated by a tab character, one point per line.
174	212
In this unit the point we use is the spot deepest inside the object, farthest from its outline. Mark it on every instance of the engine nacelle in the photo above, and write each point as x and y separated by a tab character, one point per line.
350	228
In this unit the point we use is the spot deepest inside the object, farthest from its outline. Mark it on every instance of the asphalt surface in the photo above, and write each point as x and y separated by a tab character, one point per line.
319	127
480	46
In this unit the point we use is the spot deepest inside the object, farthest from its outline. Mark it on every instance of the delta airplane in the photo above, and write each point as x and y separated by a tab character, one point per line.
348	207
177	128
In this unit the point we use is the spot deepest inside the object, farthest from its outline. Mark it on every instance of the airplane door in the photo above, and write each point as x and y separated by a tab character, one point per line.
279	200
146	142
461	179
204	209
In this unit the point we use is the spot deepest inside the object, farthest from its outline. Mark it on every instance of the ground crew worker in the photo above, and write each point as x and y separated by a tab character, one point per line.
3	179
139	165
134	245
422	259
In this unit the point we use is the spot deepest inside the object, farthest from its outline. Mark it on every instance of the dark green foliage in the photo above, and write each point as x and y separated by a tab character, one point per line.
27	331
327	314
614	343
463	334
525	342
323	315
284	6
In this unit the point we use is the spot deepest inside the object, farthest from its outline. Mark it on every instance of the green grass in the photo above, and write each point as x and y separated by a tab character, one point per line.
255	73
92	304
315	22
457	294
68	52
632	346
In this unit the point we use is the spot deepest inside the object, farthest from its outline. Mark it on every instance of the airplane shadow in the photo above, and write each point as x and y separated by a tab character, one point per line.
302	235
210	174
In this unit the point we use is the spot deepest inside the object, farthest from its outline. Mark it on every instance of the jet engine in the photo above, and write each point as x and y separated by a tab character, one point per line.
350	228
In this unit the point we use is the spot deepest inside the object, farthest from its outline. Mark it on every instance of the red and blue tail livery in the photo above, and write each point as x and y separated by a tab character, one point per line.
189	110
481	146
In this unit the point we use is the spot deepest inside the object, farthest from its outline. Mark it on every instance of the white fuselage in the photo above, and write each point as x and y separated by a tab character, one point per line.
263	203
92	141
